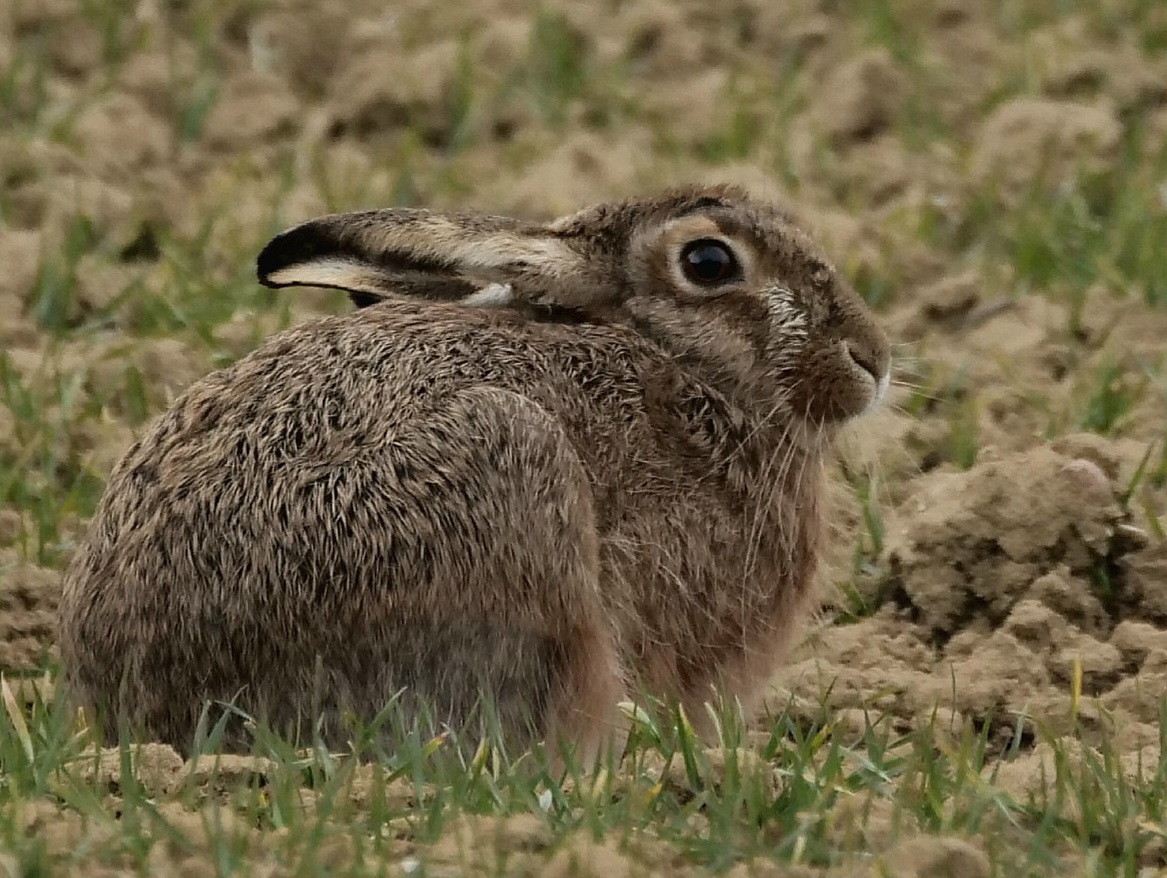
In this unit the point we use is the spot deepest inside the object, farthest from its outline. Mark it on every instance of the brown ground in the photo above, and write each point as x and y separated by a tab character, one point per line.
995	582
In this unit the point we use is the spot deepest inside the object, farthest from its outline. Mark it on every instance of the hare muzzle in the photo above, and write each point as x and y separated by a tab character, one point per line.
851	375
871	370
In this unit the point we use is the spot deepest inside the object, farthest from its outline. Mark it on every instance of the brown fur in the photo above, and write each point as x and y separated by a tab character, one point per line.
464	500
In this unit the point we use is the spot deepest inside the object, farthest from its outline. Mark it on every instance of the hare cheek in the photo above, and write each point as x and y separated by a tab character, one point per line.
787	322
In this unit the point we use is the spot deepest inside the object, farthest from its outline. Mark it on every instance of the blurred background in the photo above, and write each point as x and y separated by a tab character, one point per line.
991	176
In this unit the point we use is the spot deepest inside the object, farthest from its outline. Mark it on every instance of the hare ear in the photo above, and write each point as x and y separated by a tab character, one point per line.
476	260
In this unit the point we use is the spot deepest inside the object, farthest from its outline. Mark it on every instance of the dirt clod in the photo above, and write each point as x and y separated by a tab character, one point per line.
1038	142
972	543
862	97
936	857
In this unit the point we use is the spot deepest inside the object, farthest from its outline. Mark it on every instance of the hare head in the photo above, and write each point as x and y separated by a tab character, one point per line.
724	283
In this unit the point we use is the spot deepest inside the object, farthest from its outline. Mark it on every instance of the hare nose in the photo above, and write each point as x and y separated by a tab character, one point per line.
870	360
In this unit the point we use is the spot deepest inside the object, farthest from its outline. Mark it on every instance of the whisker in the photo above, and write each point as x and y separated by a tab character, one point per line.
753	541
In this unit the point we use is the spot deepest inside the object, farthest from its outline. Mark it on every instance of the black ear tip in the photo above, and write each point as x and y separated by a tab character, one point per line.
297	245
276	254
264	265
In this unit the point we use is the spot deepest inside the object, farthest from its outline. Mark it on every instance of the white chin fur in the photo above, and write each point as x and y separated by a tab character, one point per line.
880	394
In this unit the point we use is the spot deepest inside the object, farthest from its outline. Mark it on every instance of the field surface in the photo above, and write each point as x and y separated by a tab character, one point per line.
981	692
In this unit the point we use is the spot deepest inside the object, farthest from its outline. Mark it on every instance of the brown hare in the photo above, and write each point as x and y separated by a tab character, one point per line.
552	464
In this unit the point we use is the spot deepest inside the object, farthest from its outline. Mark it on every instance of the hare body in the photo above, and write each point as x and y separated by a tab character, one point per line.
458	501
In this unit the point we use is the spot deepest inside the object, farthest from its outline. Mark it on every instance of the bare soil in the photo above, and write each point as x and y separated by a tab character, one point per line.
1002	583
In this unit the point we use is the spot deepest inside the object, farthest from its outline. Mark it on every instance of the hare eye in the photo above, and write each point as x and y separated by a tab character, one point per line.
707	262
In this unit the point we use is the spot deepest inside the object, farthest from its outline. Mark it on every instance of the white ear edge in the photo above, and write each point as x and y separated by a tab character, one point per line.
548	257
345	274
490	296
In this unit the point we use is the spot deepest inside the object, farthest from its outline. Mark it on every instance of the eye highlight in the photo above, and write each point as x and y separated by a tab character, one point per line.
708	262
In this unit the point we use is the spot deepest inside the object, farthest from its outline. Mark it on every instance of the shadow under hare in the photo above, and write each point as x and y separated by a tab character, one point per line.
546	464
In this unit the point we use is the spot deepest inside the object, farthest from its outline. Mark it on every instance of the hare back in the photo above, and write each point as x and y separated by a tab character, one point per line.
316	397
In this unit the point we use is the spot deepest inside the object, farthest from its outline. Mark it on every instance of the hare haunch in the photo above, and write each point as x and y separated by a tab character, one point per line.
548	464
